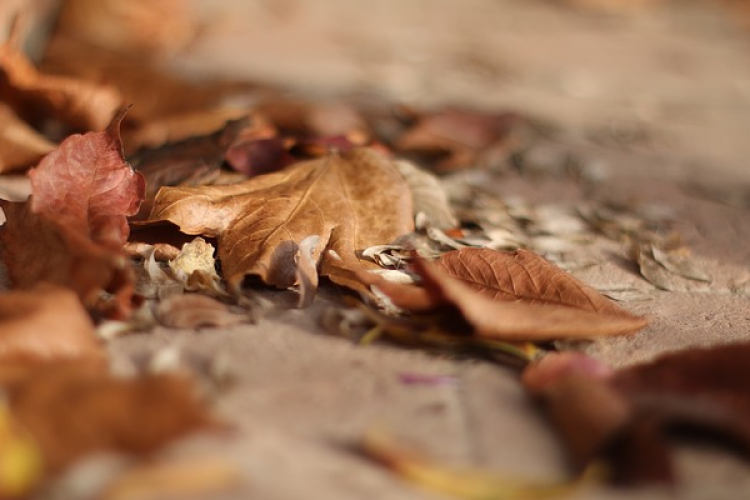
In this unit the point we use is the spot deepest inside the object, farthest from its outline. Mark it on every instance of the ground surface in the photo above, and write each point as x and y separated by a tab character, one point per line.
655	106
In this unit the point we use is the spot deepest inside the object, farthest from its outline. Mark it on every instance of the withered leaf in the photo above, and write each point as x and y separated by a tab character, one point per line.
46	323
351	201
87	186
455	139
20	145
700	391
37	250
511	296
35	96
191	161
73	409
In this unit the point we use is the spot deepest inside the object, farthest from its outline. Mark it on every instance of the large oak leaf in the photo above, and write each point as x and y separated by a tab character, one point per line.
351	201
511	296
87	186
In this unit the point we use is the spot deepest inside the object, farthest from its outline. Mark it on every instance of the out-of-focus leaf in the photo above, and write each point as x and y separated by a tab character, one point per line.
21	465
20	145
73	409
351	201
47	323
36	96
457	139
196	311
192	161
626	416
37	250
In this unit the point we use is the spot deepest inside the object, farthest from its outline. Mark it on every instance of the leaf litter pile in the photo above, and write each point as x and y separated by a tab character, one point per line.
167	204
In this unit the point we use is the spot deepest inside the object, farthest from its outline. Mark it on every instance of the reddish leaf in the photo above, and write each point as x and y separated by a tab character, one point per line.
701	392
458	139
36	250
192	161
86	186
511	296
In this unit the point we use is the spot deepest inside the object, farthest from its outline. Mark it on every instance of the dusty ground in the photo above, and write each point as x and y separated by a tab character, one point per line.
654	106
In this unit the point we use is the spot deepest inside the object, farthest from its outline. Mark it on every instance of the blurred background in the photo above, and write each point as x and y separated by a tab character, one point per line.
670	78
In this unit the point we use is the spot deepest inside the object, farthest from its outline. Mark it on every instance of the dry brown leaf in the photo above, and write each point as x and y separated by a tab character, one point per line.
195	311
37	250
196	123
87	186
71	231
46	323
73	409
351	200
456	139
20	145
630	416
192	161
35	96
511	296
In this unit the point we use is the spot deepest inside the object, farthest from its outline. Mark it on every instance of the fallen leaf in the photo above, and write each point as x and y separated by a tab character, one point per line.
20	145
46	323
37	250
192	161
196	311
428	194
351	200
87	186
72	229
511	296
99	412
35	96
195	268
259	156
627	416
457	139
